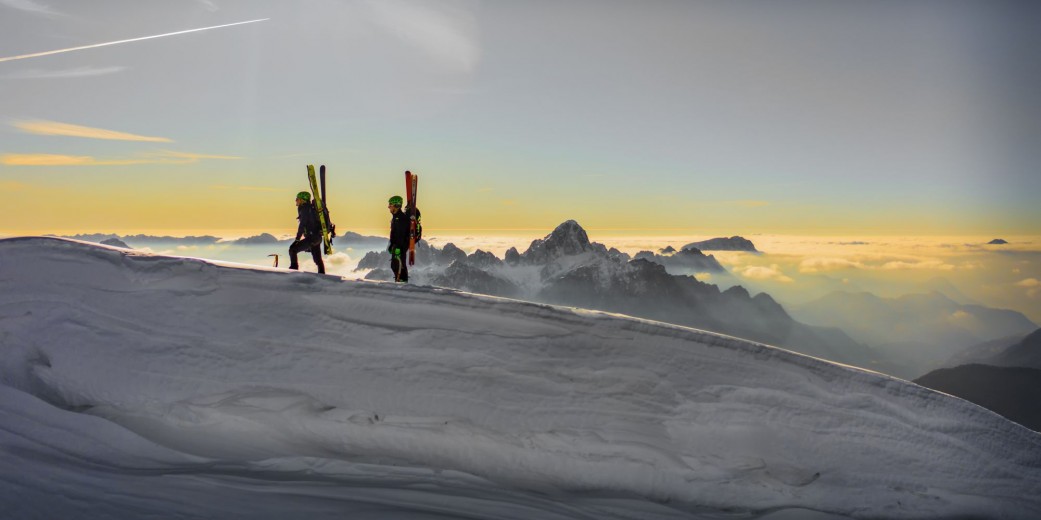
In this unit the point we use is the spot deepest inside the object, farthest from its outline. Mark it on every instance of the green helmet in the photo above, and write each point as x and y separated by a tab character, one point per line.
395	201
304	195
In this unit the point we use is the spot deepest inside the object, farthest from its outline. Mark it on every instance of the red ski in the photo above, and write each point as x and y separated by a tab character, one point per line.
411	181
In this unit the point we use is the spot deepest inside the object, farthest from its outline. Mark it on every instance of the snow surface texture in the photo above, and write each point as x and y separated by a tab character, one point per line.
145	386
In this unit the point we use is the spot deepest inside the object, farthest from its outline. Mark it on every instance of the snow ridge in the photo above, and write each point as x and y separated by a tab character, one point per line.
173	386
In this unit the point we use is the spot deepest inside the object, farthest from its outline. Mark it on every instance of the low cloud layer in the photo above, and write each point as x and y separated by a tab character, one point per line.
772	272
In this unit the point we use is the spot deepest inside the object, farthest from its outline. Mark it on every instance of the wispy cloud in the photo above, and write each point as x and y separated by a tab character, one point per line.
822	264
96	45
30	7
880	263
923	264
764	273
445	31
81	72
1032	285
86	160
40	127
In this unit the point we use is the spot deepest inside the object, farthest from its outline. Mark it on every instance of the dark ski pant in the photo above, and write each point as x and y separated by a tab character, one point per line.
399	268
315	246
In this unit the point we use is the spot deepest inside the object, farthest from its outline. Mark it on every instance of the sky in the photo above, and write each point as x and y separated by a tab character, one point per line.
654	117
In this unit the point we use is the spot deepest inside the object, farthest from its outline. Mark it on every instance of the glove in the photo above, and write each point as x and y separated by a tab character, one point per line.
396	252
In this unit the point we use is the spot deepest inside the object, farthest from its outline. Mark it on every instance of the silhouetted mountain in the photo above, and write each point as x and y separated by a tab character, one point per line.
116	242
1023	352
1015	393
997	241
464	276
644	289
724	244
89	237
347	240
426	256
512	256
259	240
146	239
944	287
917	332
451	254
983	353
685	260
567	240
189	240
1026	353
354	240
373	260
483	260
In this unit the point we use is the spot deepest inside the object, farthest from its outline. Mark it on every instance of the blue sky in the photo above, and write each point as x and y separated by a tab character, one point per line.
798	117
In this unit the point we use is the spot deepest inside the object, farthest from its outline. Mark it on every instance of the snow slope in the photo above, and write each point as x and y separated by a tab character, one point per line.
135	386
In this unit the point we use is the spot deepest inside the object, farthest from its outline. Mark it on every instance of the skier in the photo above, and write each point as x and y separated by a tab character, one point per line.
399	235
308	233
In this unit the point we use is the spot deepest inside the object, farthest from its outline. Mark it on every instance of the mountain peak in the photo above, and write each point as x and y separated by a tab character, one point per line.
566	240
569	232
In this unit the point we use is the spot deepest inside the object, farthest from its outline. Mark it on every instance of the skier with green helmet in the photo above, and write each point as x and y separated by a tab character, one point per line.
308	233
399	236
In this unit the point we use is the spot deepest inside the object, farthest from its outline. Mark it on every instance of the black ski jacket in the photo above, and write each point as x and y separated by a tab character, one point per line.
399	231
309	226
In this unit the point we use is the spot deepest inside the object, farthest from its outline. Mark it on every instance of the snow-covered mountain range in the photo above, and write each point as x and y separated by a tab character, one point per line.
136	385
566	268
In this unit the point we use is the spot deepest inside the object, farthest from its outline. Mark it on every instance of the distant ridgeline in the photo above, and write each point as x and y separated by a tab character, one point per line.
1004	376
566	268
724	244
129	241
915	333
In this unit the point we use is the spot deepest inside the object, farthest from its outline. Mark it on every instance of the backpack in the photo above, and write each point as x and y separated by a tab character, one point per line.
328	223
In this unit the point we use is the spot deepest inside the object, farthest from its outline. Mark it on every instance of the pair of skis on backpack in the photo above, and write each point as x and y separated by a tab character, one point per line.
329	229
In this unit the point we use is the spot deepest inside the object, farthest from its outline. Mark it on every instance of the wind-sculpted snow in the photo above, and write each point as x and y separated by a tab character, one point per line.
145	386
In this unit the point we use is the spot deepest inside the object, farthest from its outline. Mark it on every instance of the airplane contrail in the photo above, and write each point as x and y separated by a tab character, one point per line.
48	53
